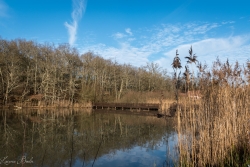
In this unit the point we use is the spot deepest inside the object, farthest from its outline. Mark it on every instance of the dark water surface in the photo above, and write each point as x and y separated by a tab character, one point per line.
85	138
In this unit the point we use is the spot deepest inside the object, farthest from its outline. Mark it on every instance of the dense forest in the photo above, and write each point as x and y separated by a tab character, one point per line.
60	73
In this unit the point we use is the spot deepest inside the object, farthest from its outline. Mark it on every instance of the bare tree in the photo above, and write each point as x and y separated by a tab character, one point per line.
10	68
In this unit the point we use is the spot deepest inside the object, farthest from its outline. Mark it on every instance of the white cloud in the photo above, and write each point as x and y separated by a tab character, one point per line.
124	54
3	9
195	29
160	44
234	48
119	35
128	31
228	22
78	10
211	45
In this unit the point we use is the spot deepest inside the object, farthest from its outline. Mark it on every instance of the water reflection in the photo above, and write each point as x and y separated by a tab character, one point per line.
85	138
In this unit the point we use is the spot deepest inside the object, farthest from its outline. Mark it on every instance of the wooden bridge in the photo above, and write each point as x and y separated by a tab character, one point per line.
127	106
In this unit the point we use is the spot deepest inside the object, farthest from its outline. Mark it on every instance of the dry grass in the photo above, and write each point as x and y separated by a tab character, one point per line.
145	97
214	131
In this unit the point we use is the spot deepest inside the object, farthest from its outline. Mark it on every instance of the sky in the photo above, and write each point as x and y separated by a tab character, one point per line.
135	32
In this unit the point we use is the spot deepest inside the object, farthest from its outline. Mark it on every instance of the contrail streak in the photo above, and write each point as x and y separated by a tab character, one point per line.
78	11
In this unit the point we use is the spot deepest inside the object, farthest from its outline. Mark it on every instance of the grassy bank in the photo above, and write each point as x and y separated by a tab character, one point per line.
44	104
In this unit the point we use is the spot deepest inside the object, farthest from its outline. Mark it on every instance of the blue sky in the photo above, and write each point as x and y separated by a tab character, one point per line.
134	31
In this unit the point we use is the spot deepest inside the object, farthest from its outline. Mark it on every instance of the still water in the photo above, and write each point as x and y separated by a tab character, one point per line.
85	138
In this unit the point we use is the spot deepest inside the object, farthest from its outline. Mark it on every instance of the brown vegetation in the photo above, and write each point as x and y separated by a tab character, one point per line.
213	130
62	75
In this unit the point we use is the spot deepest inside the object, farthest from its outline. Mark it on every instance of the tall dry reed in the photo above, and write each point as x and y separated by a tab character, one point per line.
214	130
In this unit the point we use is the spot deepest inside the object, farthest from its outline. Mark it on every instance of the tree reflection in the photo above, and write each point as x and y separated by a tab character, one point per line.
62	138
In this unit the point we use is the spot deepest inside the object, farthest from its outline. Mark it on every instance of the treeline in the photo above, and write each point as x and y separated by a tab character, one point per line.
61	73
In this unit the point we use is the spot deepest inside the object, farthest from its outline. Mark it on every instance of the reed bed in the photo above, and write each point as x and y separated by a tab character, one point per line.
214	130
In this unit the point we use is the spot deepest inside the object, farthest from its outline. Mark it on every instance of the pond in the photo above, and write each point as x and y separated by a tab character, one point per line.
86	138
